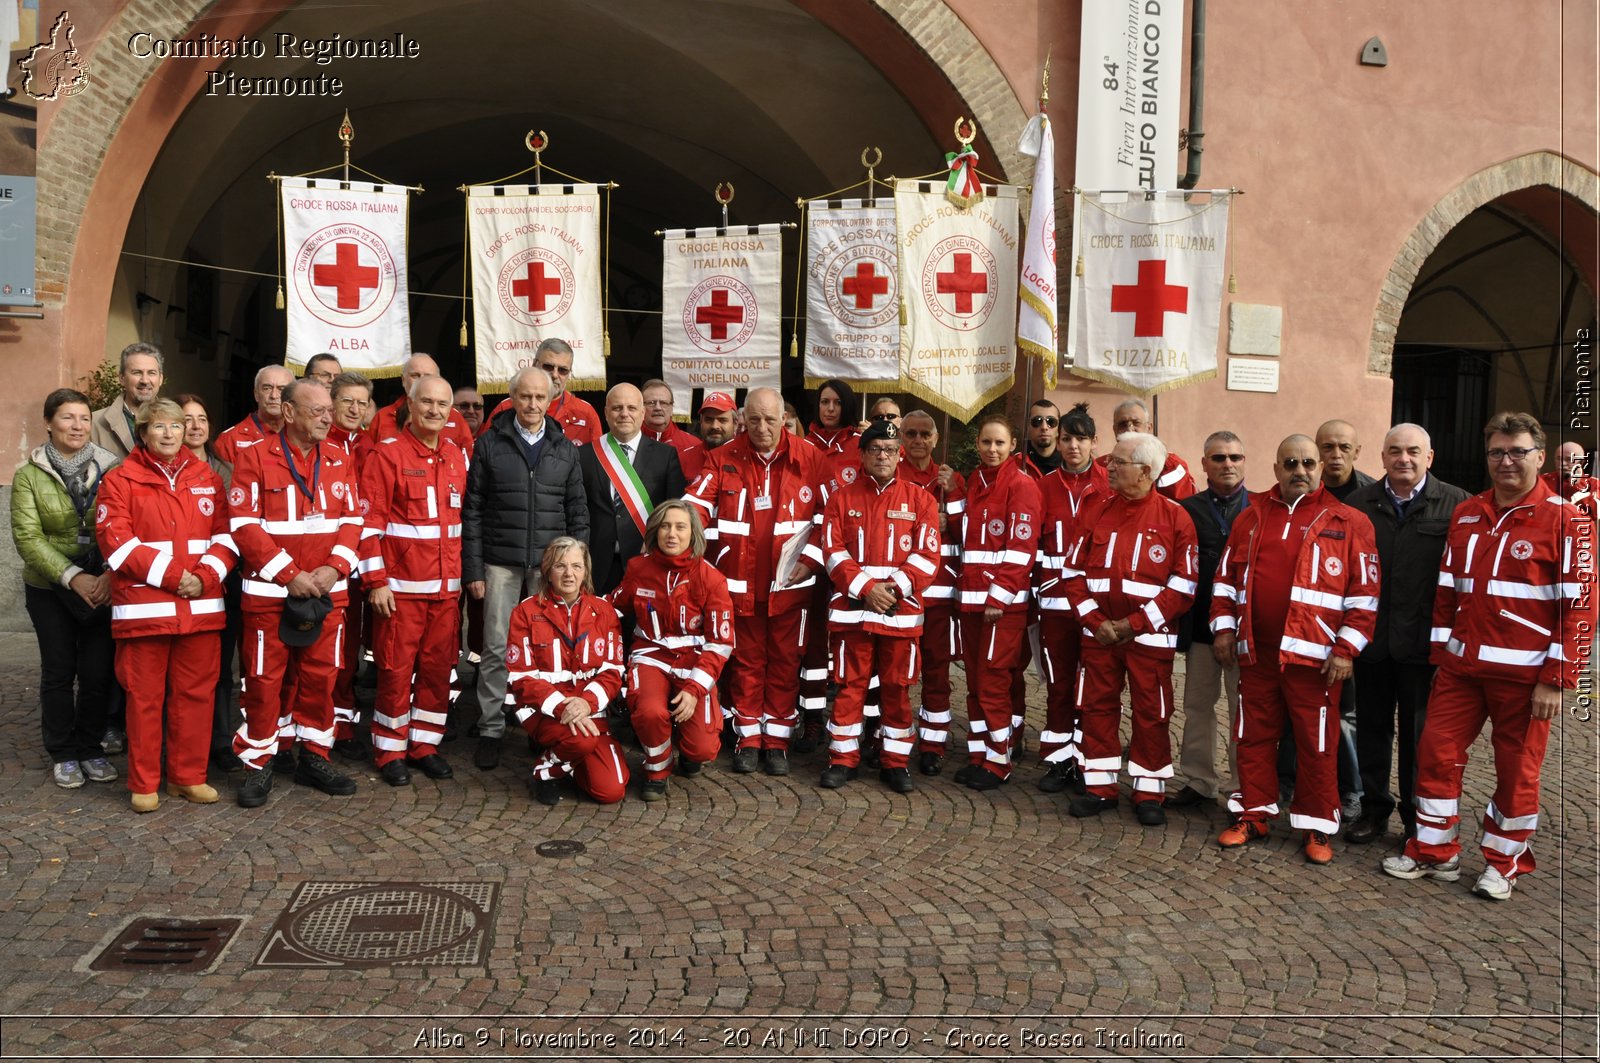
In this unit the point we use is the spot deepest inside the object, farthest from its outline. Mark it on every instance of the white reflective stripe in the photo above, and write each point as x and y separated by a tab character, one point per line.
1441	634
737	586
902	581
202	606
1556	653
347	555
1316	823
984	557
1172	477
1318	598
1465	585
1225	591
144	612
1306	649
264	590
908	622
1442	807
393	723
1503	655
371	533
1456	646
215	564
1087	606
1181	585
411	531
294	527
226	542
1016	557
1099	586
1140	590
1055	605
1152	614
1157	641
703	678
922	564
198	546
733	527
789	527
1361	601
1491	840
674	642
1505	822
1224	623
1525	622
235	523
1446	578
601	698
939	592
158	568
858	584
415	586
1353	637
120	554
389	745
956	506
279	562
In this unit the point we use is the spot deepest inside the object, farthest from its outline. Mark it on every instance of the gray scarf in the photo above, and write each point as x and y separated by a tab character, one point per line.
79	472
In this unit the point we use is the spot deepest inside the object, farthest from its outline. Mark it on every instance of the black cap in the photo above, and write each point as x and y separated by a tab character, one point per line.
301	623
879	430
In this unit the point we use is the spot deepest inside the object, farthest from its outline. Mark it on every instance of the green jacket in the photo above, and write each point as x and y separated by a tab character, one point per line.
44	525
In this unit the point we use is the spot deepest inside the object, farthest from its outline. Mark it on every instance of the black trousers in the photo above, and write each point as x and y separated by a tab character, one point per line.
225	717
72	721
1381	686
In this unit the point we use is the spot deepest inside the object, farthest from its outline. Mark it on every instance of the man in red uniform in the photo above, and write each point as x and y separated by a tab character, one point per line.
386	423
1175	480
411	489
718	420
352	397
296	521
1511	630
658	425
761	498
264	421
1572	481
1294	602
1130	576
881	544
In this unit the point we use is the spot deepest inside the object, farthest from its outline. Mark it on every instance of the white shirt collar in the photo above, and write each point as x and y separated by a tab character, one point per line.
529	437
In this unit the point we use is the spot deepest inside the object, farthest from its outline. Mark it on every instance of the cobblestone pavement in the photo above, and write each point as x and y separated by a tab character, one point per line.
753	917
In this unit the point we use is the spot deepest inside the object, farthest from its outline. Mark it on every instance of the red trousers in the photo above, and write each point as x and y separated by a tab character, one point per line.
813	689
858	657
595	762
941	644
415	648
766	676
1458	707
993	653
1060	645
1148	674
1301	694
357	632
288	691
650	694
178	674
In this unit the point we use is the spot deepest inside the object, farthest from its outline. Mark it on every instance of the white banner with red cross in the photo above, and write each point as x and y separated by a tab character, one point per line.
721	320
958	290
344	252
852	293
535	252
1147	298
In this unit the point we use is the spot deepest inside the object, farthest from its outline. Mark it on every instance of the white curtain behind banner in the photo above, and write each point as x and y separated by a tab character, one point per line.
958	284
536	275
852	293
345	255
721	318
1130	67
1146	309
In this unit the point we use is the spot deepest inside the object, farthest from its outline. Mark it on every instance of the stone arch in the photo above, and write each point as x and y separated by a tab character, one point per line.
1540	168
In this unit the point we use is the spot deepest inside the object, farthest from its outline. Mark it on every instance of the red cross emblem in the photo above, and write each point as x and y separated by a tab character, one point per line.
719	314
962	282
1151	299
864	284
535	287
956	283
346	275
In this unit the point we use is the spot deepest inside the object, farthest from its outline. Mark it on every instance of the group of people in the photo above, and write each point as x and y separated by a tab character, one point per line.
720	581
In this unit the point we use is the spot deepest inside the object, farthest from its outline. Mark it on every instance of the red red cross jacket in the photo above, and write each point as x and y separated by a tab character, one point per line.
1175	481
356	444
691	450
1069	500
735	482
411	498
842	448
682	617
241	437
874	534
386	426
281	532
942	591
1510	587
1333	601
1134	560
999	535
555	651
1585	494
152	528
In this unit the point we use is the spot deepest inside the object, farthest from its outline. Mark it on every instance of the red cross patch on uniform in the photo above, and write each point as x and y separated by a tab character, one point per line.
997	527
206	507
1522	549
236	497
1158	553
805	494
848	475
1333	566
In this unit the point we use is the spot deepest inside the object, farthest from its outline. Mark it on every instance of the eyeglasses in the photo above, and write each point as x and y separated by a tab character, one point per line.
314	411
469	405
557	370
1127	426
658	404
1498	456
1299	463
1223	458
1044	422
352	401
916	433
1117	463
881	451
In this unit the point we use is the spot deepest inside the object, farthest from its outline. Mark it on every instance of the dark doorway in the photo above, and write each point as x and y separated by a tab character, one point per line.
1446	391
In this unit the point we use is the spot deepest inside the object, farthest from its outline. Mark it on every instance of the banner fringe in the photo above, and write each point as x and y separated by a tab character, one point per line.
945	405
1122	385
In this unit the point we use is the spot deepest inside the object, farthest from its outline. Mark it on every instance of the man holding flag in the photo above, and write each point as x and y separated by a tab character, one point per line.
625	474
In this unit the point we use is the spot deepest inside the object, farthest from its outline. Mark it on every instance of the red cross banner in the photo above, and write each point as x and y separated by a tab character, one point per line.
852	293
344	250
958	285
535	252
1147	300
721	318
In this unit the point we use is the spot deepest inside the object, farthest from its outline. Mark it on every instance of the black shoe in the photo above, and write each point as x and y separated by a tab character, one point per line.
688	768
316	771
226	760
433	766
283	761
545	791
930	763
113	741
352	749
1090	805
777	762
486	755
1187	797
897	779
966	773
986	780
746	760
255	788
811	733
395	773
1075	780
1367	830
651	790
1055	780
449	731
870	755
836	775
1149	813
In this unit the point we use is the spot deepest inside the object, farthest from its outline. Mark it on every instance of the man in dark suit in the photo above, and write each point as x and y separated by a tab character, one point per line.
625	475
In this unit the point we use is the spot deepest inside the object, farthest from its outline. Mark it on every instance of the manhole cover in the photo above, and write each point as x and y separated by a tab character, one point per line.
383	924
167	945
559	848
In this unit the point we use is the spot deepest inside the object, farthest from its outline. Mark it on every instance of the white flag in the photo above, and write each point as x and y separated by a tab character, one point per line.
1036	317
852	294
345	251
958	283
1146	310
720	322
1130	71
536	275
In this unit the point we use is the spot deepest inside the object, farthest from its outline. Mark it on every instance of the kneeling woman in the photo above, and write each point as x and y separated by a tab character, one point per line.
683	635
564	665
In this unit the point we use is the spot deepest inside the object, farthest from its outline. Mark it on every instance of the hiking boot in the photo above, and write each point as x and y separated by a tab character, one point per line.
897	779
746	760
1149	813
653	790
318	772
255	788
1090	805
930	763
836	775
777	762
811	732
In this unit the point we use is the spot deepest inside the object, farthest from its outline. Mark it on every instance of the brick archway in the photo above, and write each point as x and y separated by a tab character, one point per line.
1532	171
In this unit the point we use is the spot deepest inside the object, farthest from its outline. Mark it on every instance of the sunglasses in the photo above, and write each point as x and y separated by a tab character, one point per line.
886	417
915	433
1300	463
1044	422
557	370
1221	458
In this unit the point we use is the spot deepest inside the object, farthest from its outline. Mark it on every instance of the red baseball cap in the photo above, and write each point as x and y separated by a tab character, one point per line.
720	401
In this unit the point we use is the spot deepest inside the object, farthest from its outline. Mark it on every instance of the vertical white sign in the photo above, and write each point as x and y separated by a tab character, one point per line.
1130	70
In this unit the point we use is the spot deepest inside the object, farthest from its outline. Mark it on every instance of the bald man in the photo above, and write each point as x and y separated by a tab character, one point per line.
625	475
388	420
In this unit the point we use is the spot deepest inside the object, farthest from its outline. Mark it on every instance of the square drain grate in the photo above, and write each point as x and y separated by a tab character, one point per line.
168	946
384	924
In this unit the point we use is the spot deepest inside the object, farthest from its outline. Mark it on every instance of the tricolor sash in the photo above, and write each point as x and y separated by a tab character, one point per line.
624	480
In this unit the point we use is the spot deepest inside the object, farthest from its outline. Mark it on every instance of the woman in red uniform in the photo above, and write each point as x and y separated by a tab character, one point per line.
999	531
564	665
163	529
682	637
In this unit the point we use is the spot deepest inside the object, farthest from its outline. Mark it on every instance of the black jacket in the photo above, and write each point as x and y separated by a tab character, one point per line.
1408	560
1195	626
662	475
512	512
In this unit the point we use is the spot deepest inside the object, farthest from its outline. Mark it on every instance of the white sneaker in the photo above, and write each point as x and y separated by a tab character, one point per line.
1405	867
99	769
67	775
1493	885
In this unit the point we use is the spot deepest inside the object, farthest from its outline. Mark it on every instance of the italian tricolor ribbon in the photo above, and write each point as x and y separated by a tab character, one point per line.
963	186
624	480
